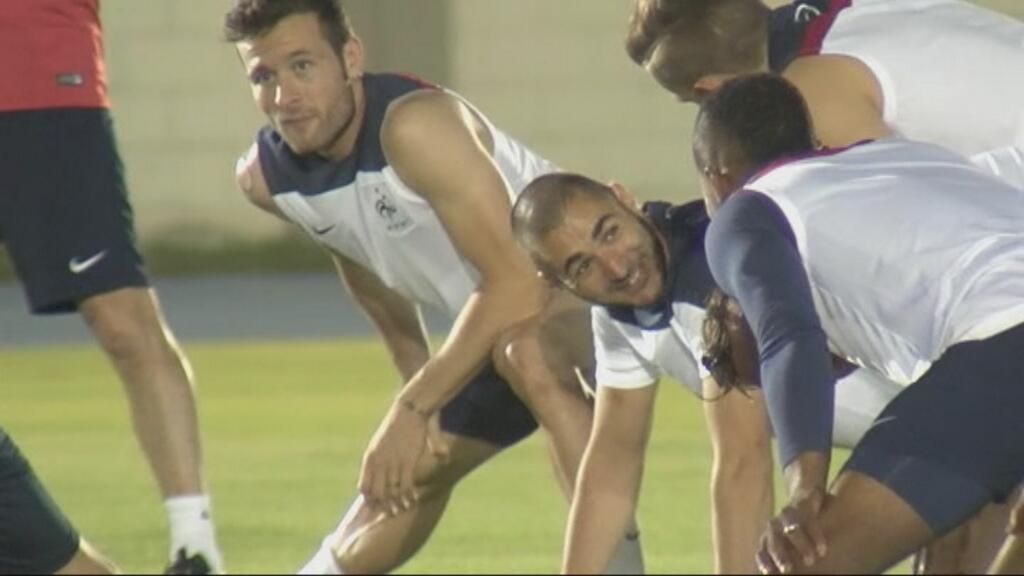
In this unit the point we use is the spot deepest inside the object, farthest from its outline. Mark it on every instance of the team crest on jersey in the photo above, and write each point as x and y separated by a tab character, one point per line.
396	219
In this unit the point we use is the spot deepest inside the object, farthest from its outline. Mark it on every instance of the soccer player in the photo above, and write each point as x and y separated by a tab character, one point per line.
942	71
898	256
409	188
647	272
35	536
67	225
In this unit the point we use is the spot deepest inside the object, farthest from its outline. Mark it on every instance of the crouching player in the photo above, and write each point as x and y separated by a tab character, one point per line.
647	272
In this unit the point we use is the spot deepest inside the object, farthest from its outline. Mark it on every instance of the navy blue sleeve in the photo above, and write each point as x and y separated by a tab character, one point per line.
753	256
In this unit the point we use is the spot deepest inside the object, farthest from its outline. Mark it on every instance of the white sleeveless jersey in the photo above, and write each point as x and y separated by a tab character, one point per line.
908	248
951	73
634	348
361	208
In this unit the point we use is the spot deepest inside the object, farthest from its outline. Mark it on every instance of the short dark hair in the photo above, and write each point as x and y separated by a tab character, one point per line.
751	121
249	19
696	38
540	207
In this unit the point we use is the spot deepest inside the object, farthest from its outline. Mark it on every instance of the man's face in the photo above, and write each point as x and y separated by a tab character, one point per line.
604	253
302	85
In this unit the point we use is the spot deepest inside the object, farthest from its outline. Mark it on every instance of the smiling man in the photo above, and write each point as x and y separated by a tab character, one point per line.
647	272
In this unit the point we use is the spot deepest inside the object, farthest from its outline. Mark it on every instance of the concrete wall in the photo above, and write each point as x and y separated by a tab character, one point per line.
184	113
551	72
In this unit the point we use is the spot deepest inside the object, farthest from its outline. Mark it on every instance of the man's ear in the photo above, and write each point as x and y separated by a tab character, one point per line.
721	187
352	54
625	195
550	280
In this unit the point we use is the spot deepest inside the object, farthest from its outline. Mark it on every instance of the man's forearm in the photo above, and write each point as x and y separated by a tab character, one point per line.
603	504
468	347
807	472
742	504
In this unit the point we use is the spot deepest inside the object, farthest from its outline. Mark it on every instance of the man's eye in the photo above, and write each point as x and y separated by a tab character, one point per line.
611	233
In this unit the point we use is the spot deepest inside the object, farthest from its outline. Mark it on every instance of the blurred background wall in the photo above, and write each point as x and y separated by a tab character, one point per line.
551	72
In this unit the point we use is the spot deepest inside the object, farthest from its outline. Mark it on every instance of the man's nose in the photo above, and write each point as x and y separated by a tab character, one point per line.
616	264
287	93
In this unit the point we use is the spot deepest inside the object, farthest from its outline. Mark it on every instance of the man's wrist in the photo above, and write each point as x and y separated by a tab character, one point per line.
409	405
807	473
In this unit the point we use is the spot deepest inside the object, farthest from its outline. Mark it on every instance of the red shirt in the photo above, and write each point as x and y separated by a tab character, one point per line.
51	55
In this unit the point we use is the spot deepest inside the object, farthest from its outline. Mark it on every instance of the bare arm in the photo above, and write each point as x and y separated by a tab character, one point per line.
397	320
742	488
440	150
608	484
742	491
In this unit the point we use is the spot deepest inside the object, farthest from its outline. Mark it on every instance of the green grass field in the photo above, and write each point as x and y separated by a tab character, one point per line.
284	425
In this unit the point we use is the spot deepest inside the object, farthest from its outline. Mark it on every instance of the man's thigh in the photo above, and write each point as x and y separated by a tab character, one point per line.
64	211
488	410
867	527
937	453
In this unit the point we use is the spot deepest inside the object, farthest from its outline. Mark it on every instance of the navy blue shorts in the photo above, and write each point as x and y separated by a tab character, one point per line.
954	440
487	409
35	537
64	211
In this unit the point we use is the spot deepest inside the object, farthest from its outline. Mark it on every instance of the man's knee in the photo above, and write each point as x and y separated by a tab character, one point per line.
534	372
868	527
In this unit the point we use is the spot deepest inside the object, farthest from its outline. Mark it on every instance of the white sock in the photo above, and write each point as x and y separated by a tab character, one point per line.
322	562
192	528
628	558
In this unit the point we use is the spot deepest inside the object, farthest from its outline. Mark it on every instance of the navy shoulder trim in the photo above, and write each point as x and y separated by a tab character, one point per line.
311	174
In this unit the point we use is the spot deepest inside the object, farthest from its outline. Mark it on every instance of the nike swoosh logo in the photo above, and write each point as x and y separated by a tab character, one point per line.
77	267
324	230
805	13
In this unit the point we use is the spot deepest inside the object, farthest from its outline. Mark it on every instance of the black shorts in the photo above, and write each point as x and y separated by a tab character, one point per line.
487	409
35	537
954	440
64	211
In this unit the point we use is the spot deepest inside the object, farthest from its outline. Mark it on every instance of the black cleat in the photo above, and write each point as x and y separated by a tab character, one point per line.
194	564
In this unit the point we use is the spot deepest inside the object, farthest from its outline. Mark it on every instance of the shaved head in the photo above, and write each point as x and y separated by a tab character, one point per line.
541	207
